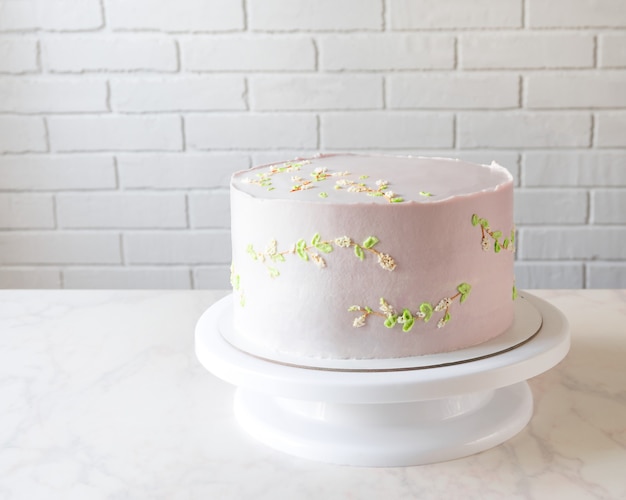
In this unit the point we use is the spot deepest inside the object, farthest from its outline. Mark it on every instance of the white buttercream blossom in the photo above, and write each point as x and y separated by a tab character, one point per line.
386	307
485	244
386	261
315	257
343	242
441	323
381	182
359	322
271	248
443	304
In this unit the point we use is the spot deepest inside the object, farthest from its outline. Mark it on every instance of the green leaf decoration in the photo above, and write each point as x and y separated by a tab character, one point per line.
496	247
464	289
397	200
364	177
391	320
250	250
236	282
425	193
316	239
273	272
406	327
376	193
474	220
446	318
370	241
514	292
368	309
512	236
406	315
497	234
427	309
505	243
324	247
301	250
358	251
278	257
323	194
484	223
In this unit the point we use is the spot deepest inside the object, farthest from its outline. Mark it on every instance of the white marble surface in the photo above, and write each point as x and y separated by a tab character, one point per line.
101	396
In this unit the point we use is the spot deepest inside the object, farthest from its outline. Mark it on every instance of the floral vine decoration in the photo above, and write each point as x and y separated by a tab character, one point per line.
264	179
318	174
313	250
235	282
498	244
382	189
406	318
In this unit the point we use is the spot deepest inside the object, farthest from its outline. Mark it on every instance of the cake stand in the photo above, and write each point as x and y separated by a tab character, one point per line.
384	417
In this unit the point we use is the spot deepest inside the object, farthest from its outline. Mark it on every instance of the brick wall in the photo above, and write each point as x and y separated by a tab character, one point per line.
122	120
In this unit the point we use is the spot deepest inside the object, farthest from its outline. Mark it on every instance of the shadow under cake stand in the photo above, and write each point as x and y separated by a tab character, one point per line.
409	412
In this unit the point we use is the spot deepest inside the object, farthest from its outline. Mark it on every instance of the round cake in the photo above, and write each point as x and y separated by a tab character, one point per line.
365	256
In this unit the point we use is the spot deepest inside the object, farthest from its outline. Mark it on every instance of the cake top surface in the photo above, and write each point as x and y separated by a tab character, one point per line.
347	178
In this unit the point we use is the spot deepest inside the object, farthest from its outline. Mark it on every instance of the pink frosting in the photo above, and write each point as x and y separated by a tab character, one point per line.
427	232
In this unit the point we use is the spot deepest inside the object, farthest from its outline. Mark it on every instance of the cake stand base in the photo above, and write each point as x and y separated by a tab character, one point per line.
384	418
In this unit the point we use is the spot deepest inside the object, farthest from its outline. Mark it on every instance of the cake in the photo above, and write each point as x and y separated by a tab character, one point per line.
370	256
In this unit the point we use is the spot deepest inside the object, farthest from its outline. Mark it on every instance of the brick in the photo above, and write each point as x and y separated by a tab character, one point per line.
608	206
246	131
386	130
121	210
452	91
20	134
530	275
179	16
449	14
26	211
319	92
576	90
116	278
30	278
572	243
606	275
322	15
74	54
611	130
199	93
115	133
523	130
178	171
18	55
176	247
52	95
54	172
574	169
551	206
534	50
250	53
208	210
576	13
52	247
386	52
62	15
212	277
612	50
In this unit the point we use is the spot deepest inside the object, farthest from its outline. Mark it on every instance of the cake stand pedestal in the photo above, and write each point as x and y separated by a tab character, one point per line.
384	418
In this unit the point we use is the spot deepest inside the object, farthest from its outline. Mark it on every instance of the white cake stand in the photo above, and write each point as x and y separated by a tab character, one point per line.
384	418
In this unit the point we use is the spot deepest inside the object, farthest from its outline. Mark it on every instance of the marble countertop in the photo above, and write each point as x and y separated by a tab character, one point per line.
101	397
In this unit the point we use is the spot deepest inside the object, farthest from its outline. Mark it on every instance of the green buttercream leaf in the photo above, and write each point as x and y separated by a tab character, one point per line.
397	200
323	194
474	220
483	222
446	318
425	193
406	315
391	320
368	309
301	250
364	177
408	324
514	292
273	272
251	251
496	247
497	234
358	251
370	241
505	243
324	247
278	257
316	239
427	309
464	288
512	235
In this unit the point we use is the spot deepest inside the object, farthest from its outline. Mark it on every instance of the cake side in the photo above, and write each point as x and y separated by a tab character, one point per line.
364	276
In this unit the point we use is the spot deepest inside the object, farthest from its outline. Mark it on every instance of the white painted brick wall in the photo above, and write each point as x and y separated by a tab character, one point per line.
122	121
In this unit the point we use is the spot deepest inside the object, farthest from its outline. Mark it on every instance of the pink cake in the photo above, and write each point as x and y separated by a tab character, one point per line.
362	257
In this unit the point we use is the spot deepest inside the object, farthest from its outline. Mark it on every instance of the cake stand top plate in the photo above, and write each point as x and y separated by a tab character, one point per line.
544	350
